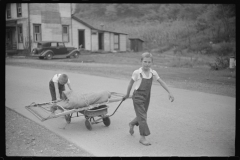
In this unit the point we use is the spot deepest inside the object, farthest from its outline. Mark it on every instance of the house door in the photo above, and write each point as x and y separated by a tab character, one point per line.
100	41
81	39
10	38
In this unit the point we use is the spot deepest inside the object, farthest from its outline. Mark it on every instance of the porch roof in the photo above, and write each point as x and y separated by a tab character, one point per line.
11	23
136	38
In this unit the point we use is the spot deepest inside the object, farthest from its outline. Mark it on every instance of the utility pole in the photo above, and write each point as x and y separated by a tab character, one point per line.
71	24
29	29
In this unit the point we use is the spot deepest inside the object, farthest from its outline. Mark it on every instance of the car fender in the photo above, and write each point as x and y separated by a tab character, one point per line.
45	52
75	50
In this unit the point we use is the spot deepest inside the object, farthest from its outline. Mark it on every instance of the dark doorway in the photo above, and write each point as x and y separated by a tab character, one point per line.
11	42
136	44
100	41
81	39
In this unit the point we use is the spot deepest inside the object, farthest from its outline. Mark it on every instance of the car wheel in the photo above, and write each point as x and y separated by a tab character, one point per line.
48	56
33	51
75	55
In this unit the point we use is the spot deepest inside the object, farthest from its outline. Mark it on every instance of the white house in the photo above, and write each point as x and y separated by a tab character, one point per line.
35	22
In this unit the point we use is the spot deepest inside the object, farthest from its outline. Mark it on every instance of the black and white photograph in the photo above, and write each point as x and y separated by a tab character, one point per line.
120	80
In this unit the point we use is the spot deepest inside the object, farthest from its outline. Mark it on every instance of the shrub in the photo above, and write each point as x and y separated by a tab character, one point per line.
224	48
220	63
163	49
178	62
222	51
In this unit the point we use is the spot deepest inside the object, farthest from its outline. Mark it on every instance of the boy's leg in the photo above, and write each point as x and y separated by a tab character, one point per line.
142	119
132	124
145	106
61	89
53	95
52	91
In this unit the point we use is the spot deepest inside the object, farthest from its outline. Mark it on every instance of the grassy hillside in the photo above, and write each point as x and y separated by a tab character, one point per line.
195	28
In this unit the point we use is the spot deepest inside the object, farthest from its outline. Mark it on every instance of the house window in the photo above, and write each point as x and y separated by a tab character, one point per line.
20	34
37	32
65	33
116	41
8	11
19	10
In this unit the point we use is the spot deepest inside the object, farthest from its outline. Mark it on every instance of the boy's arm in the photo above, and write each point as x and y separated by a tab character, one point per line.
129	88
69	86
163	84
57	91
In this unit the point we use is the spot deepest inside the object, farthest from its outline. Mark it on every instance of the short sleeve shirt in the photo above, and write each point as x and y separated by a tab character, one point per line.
56	78
137	78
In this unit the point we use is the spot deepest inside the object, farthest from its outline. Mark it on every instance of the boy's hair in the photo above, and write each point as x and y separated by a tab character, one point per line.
63	78
147	55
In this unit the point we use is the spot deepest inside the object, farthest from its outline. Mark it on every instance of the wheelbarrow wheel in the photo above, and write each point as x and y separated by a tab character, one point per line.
68	118
88	125
106	121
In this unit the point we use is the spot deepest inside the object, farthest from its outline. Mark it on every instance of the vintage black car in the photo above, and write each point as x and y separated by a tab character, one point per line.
48	50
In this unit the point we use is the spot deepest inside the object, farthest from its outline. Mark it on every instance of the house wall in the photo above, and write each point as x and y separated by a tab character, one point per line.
65	9
123	42
14	11
94	42
107	41
51	16
111	42
23	20
24	23
87	31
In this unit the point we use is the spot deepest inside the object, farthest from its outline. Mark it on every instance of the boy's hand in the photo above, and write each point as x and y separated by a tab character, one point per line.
171	98
125	97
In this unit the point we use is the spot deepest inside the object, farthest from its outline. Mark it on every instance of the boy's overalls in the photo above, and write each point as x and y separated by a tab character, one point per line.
141	99
52	90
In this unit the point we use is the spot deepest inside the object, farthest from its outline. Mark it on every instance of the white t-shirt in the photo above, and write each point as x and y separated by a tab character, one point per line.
137	77
56	78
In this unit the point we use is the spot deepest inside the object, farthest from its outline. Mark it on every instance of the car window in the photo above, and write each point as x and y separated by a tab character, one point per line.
60	44
39	45
46	44
53	44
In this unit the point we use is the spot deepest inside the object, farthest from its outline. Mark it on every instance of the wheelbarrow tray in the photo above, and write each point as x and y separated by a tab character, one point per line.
101	110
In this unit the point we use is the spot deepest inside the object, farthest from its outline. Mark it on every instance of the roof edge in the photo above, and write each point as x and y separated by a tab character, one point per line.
79	20
86	24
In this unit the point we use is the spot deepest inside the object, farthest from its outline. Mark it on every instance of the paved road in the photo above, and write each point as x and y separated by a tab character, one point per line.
195	124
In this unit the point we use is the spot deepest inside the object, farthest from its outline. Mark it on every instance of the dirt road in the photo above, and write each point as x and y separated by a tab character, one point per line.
195	124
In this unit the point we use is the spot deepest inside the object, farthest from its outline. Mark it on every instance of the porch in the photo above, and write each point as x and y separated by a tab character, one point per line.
11	37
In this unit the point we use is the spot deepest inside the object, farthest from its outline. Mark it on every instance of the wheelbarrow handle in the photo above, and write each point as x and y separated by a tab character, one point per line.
35	104
126	98
123	99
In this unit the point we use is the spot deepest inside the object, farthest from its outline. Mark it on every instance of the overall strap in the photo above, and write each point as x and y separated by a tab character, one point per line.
152	75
